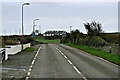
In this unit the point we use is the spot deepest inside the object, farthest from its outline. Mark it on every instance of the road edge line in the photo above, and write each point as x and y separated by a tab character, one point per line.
31	65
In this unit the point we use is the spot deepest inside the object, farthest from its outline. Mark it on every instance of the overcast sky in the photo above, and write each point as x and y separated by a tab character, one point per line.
59	16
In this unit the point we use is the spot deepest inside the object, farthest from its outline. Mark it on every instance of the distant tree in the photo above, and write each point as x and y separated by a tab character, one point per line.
74	35
93	28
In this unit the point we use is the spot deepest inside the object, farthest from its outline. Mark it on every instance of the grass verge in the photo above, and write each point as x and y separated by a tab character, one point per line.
56	41
29	49
114	58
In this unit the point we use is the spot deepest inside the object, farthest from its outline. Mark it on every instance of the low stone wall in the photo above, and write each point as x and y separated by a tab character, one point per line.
111	48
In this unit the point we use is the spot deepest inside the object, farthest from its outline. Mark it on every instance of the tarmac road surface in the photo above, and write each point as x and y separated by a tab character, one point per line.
61	61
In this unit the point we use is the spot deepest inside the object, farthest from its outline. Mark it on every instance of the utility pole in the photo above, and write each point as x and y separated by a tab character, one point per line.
70	28
19	31
5	32
15	31
70	34
40	29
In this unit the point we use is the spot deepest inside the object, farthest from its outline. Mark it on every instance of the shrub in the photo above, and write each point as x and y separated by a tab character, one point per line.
96	41
65	40
111	38
30	40
27	39
10	42
82	41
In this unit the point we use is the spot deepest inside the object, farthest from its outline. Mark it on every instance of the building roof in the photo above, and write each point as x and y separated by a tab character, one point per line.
55	32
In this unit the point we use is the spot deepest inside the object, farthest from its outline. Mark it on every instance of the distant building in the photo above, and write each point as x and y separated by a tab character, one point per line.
53	33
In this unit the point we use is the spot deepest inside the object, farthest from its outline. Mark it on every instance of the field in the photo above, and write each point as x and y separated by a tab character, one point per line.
56	41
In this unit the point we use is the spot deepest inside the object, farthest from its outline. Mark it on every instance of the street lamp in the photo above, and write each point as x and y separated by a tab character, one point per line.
33	34
22	23
34	24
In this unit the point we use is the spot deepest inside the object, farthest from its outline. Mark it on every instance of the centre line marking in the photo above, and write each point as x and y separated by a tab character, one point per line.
84	78
69	61
65	57
75	68
62	53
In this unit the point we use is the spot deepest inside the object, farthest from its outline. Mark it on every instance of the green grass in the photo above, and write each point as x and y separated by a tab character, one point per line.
29	49
48	41
114	58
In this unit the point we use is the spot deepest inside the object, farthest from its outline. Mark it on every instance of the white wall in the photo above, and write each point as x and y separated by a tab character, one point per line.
26	46
16	48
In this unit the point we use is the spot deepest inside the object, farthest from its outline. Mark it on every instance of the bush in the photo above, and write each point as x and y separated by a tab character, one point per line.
96	41
10	42
27	40
82	41
111	38
30	40
65	40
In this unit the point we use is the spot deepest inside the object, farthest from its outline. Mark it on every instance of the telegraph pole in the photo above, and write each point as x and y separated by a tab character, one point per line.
70	28
40	29
70	34
19	31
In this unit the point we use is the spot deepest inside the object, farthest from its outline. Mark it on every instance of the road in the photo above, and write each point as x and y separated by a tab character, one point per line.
61	61
17	65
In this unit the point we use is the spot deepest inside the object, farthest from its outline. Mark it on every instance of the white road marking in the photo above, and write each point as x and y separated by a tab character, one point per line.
77	70
33	62
57	48
27	78
71	63
84	78
65	57
34	58
12	69
28	73
31	66
62	53
30	69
